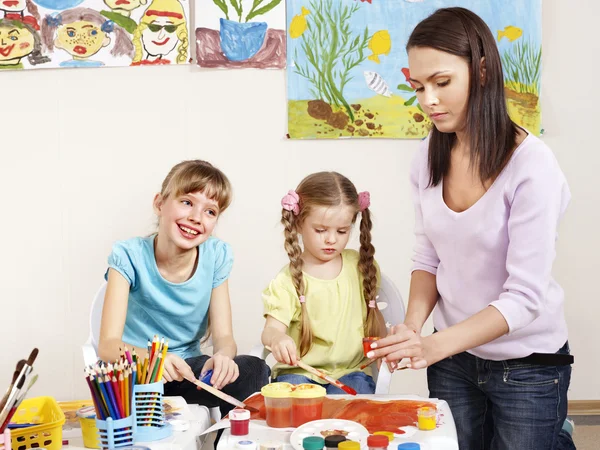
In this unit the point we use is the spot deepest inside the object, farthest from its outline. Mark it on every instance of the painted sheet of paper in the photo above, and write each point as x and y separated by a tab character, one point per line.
348	67
37	34
240	34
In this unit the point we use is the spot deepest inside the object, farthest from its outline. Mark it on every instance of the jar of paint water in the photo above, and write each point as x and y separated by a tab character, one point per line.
427	418
378	442
409	446
332	442
307	403
278	404
349	445
240	421
313	443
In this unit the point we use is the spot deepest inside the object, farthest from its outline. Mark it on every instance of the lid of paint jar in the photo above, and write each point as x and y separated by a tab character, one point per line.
378	441
239	414
270	445
246	445
309	390
349	445
277	390
313	443
409	446
389	434
334	440
426	411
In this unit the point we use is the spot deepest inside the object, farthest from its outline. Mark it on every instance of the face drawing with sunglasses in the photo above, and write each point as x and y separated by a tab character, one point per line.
160	37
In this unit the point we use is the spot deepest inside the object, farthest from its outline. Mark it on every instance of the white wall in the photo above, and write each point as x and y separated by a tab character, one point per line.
83	152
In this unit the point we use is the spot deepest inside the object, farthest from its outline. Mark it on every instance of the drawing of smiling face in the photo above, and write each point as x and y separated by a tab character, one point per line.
123	5
160	37
12	5
81	39
15	43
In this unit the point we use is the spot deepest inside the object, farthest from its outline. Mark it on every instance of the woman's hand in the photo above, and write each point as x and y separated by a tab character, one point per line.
225	370
402	342
284	349
176	369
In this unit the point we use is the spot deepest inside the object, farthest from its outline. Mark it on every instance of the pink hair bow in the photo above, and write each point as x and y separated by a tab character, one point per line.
364	200
291	202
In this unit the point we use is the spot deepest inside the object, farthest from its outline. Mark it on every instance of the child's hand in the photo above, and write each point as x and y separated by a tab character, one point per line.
176	369
225	370
283	349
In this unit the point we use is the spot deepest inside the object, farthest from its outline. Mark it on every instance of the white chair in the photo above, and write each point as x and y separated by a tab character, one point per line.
90	347
391	305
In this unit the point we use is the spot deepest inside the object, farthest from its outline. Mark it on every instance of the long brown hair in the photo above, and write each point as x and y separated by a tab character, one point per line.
492	134
331	189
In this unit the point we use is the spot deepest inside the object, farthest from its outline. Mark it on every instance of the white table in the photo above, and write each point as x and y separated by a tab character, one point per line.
198	418
442	438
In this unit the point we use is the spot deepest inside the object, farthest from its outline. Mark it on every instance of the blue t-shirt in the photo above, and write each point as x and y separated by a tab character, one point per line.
176	311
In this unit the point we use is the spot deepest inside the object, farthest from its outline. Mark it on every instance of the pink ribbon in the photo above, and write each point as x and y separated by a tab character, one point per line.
364	200
302	299
291	202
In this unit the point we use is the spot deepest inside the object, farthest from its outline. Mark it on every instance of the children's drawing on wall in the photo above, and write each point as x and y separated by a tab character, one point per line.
348	70
240	34
92	33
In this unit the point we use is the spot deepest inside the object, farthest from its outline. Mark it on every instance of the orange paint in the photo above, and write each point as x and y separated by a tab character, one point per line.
306	410
367	344
278	417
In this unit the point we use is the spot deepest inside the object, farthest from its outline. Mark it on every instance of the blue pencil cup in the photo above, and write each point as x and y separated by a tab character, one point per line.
149	411
116	433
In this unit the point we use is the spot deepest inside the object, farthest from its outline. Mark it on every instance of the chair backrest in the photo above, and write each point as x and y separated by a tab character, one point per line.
390	301
96	316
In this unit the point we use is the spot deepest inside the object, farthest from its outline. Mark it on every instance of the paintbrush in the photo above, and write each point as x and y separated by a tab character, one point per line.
16	373
18	384
373	360
222	395
17	403
323	376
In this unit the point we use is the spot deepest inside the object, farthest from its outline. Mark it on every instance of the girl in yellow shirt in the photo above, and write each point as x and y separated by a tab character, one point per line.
321	304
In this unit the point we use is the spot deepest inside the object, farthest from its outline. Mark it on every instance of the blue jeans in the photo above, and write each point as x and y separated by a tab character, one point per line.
504	404
359	381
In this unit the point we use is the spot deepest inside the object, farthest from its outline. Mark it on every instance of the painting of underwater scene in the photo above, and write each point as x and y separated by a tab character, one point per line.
348	68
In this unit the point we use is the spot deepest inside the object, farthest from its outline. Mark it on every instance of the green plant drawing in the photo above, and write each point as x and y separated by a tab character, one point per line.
258	8
522	68
332	51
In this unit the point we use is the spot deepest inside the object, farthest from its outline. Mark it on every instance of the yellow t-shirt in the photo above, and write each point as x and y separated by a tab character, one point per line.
337	312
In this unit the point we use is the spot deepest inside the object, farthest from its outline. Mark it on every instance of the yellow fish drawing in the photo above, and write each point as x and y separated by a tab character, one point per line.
511	33
298	25
380	44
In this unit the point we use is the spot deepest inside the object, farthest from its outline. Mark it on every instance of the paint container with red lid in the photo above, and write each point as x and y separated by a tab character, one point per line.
240	422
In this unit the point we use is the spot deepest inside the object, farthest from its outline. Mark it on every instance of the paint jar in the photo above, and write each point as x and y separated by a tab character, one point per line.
349	445
367	341
240	421
389	434
278	403
313	443
87	422
427	418
246	445
332	442
307	403
378	442
271	445
409	446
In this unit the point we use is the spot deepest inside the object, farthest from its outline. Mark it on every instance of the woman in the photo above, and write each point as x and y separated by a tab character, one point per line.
488	197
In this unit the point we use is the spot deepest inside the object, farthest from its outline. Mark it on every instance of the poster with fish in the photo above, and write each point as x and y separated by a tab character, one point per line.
348	73
238	34
37	34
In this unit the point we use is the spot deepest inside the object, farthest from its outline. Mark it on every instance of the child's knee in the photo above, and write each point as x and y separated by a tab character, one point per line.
253	368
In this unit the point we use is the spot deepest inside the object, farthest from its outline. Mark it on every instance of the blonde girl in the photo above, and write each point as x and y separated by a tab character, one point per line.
162	34
321	304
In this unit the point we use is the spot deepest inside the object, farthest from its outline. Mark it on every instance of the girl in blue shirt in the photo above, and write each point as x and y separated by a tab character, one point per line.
174	284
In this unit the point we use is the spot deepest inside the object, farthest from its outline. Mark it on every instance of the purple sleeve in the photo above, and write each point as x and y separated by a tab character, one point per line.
424	256
538	195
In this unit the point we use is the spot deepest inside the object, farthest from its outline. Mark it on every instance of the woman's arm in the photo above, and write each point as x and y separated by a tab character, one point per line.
422	298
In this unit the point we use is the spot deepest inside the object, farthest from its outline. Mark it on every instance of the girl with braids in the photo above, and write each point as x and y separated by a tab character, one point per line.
321	304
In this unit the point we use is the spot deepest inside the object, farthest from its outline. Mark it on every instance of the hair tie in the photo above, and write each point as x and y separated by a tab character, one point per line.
108	26
364	200
54	21
372	304
291	202
302	299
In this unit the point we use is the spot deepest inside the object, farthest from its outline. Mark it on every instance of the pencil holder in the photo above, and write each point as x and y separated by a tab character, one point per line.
5	440
116	433
150	412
